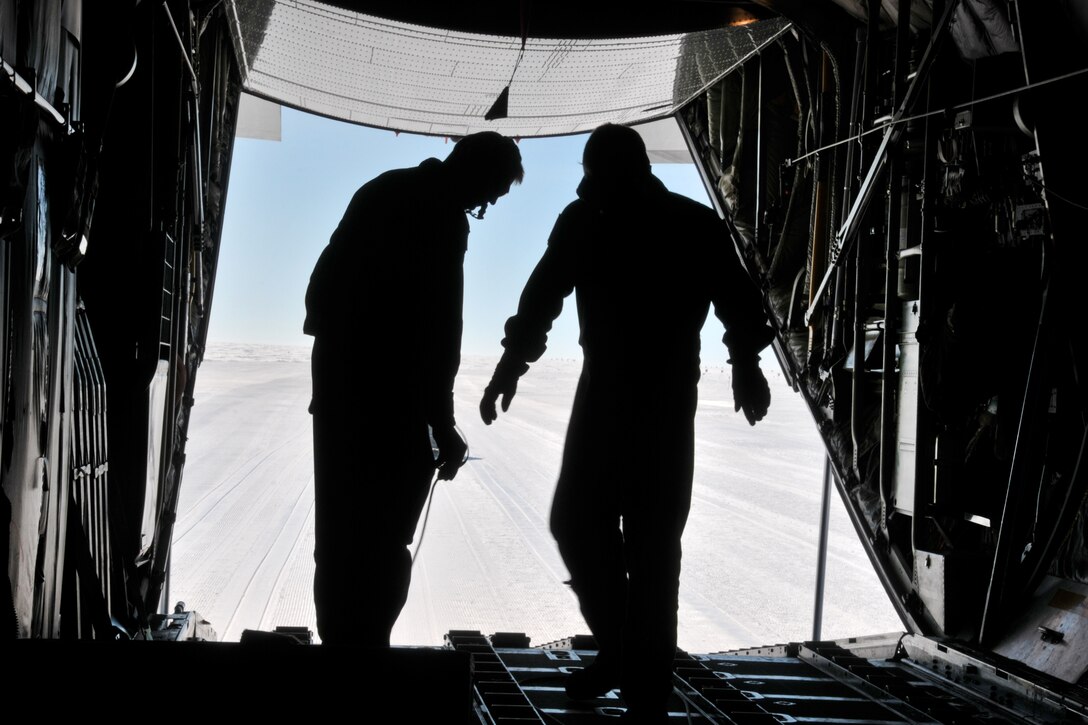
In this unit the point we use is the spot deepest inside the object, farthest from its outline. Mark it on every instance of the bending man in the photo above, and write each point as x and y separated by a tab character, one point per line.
384	307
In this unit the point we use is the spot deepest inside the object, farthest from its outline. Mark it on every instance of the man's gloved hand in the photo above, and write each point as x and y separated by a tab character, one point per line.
750	390
451	451
506	388
505	383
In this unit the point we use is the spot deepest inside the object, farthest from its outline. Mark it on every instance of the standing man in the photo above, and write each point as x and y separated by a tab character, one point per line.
645	265
384	307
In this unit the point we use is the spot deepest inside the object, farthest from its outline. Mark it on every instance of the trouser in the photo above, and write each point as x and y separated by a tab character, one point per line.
618	515
371	480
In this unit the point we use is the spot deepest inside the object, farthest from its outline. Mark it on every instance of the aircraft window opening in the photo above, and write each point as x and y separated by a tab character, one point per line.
243	546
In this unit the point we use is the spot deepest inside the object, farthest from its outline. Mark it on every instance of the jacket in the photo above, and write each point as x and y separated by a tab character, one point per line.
386	294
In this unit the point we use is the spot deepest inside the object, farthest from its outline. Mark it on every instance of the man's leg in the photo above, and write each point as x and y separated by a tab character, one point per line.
335	583
585	523
655	512
591	545
370	488
391	524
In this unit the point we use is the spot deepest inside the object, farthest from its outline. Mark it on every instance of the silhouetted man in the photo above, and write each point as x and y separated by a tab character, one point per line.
384	307
645	265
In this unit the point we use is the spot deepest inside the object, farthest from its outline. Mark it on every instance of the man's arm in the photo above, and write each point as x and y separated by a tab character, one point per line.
444	345
738	303
527	331
445	294
447	359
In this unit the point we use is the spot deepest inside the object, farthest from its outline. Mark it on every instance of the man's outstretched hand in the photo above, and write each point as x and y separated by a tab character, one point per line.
492	392
750	390
451	452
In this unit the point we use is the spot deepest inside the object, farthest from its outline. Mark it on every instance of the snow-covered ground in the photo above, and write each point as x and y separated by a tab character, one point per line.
243	545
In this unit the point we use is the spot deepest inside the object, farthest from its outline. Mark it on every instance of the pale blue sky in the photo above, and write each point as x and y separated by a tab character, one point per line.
286	197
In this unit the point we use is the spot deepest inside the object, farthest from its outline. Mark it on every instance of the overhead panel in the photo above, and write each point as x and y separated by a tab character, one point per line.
388	74
664	142
259	119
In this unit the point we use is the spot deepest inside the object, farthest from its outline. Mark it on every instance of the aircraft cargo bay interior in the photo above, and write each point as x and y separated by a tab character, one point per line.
882	201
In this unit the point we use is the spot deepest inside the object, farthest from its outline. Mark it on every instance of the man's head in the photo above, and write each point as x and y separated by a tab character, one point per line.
615	154
484	166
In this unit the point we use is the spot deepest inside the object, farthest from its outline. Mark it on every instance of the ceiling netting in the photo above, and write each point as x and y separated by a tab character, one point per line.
368	70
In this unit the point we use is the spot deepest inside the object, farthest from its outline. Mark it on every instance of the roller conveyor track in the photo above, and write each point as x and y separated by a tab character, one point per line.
881	679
